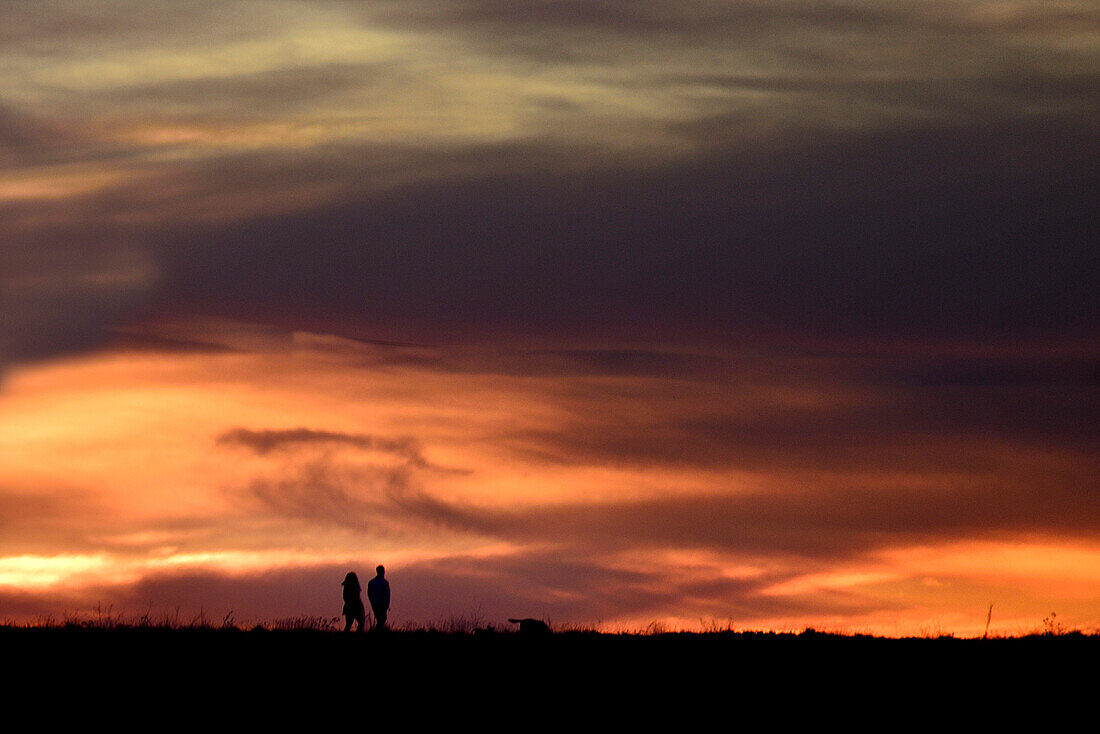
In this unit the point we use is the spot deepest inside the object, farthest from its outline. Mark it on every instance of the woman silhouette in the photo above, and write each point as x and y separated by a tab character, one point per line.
353	603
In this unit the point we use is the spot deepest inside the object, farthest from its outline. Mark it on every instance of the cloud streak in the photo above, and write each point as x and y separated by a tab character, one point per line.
267	441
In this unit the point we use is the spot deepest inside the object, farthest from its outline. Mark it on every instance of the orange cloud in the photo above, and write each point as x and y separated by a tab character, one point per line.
586	486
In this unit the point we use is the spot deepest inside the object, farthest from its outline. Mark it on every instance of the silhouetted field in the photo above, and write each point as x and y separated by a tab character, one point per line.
428	674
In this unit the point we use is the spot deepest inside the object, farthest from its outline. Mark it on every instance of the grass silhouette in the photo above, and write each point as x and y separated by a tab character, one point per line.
301	668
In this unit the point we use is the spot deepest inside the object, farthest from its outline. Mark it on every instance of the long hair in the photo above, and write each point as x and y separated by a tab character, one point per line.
351	580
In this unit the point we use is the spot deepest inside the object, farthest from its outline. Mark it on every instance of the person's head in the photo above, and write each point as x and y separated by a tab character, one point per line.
381	570
351	579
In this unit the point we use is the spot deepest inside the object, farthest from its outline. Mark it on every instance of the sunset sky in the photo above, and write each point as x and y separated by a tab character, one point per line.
760	313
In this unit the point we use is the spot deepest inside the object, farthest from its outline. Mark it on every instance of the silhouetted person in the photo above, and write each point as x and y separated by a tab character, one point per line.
354	611
378	593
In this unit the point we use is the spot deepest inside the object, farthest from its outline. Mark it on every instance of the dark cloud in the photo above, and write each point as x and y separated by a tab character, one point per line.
53	25
315	494
387	501
425	593
269	596
572	589
31	607
266	441
61	300
139	338
258	95
850	453
670	364
563	588
793	169
825	519
975	371
934	233
821	493
574	23
632	362
23	135
948	429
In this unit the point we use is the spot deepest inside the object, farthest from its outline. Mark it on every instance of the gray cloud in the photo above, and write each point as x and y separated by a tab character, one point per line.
729	249
557	586
824	520
383	501
826	513
587	362
21	606
851	452
954	51
314	494
264	95
52	25
944	430
265	597
719	172
60	298
26	138
266	441
330	490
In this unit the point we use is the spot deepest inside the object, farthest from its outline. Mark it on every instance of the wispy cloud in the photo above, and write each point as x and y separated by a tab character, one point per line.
266	441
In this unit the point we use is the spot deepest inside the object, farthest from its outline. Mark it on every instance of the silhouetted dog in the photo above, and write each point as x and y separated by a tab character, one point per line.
530	626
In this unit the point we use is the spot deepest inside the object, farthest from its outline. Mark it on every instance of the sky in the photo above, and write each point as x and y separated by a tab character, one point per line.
763	314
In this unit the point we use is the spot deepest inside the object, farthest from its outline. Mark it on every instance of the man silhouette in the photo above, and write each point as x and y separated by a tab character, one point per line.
378	593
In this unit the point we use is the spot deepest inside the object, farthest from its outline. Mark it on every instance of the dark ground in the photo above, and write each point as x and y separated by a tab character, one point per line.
263	678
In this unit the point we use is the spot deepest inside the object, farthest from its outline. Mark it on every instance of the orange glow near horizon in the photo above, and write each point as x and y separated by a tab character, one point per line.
142	477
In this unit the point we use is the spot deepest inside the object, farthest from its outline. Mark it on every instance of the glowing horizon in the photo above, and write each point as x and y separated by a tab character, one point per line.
269	463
